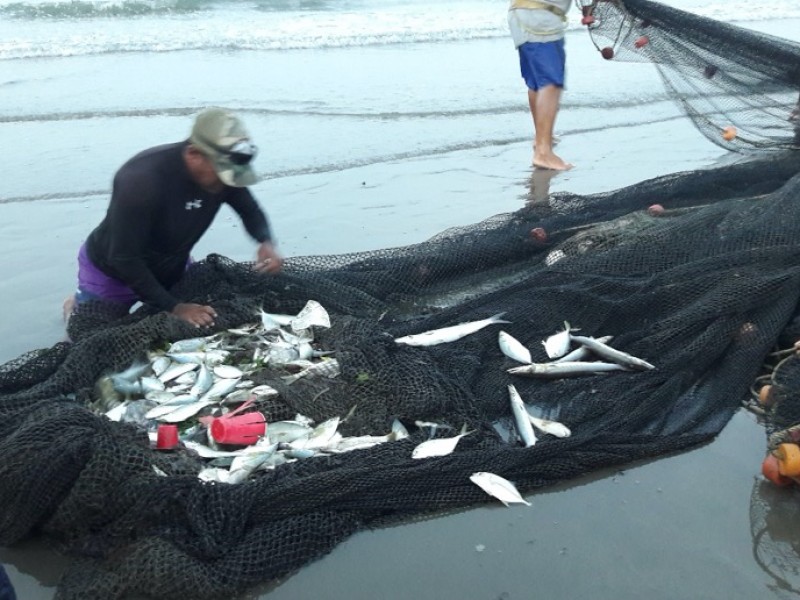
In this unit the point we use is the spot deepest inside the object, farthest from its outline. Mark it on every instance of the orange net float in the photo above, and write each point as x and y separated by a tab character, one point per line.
771	471
641	42
729	133
788	456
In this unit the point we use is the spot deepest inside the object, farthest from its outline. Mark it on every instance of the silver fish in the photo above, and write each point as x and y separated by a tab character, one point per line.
214	475
499	487
151	384
521	418
116	413
170	406
189	345
325	368
513	348
237	397
320	437
610	353
159	396
565	369
448	334
271	322
175	370
437	447
312	314
227	372
182	413
196	358
243	466
552	427
159	364
287	431
205	452
399	430
124	386
220	389
134	372
583	352
558	344
205	379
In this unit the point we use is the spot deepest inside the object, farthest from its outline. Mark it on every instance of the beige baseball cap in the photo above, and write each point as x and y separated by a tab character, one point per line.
222	137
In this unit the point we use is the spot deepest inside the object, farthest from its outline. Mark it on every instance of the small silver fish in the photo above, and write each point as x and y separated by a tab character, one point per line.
521	418
205	379
184	412
175	370
189	345
610	353
227	372
287	431
583	352
325	368
552	427
557	344
449	334
160	364
134	372
499	487
320	437
513	348
312	314
565	369
437	447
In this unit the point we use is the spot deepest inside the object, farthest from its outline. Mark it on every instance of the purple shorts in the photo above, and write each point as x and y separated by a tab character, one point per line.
93	284
542	63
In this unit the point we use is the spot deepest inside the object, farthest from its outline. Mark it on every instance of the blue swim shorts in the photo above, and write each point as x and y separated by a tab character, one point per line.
542	63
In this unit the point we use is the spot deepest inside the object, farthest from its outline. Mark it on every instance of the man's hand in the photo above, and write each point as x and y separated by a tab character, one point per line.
195	314
267	259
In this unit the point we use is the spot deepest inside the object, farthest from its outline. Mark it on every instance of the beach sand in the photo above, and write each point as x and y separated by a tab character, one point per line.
673	528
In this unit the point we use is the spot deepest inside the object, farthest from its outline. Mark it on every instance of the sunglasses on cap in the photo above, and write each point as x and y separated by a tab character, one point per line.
241	153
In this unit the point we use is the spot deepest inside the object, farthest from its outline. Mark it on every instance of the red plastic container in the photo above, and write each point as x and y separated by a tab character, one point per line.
242	429
167	437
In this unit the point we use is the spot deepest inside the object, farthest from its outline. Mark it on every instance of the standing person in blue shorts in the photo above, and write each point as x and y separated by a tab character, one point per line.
537	28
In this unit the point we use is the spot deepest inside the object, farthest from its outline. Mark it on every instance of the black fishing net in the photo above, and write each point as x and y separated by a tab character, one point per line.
704	290
740	87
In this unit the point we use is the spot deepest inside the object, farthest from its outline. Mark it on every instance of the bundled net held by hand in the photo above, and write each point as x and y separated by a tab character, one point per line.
740	87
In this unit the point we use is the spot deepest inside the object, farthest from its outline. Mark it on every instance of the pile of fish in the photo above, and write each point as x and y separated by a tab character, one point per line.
566	363
194	381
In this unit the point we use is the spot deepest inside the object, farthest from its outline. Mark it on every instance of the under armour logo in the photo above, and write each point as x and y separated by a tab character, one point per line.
198	203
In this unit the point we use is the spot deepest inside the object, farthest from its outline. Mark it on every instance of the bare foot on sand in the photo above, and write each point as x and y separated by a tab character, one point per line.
549	160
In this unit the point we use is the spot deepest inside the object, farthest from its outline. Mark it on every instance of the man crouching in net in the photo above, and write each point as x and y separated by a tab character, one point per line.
163	200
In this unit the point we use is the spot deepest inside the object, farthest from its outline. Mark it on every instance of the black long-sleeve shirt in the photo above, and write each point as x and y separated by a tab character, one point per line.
156	215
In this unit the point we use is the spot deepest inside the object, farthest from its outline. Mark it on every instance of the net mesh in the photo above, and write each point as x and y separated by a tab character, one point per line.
724	76
704	291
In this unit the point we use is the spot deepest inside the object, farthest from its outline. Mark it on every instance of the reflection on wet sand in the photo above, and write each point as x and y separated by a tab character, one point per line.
538	192
775	529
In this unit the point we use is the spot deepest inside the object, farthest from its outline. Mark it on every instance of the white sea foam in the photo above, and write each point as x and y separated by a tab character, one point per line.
42	28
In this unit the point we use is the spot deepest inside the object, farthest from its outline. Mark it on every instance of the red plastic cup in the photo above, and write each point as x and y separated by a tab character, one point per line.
167	437
242	430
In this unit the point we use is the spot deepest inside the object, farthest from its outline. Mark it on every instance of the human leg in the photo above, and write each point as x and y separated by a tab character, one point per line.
542	68
547	104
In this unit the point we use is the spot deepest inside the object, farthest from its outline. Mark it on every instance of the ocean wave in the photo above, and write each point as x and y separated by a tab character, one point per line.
51	29
86	9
